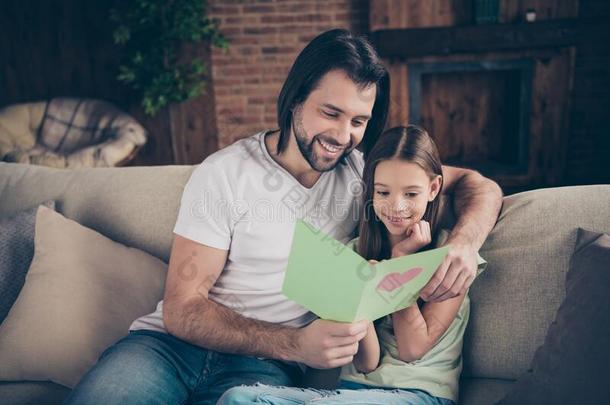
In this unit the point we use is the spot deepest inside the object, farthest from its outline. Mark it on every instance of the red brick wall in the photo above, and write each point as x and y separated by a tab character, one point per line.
265	37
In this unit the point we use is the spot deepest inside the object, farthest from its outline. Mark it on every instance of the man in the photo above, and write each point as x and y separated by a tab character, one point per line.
223	321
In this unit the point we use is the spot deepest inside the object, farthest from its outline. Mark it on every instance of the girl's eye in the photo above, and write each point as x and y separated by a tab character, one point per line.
412	195
383	193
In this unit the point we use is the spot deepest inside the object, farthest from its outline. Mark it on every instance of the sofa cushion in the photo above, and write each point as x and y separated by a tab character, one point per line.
528	253
483	391
572	364
136	206
80	295
16	252
32	393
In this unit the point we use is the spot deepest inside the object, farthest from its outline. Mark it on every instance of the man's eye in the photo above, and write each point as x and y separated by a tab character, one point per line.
357	123
330	114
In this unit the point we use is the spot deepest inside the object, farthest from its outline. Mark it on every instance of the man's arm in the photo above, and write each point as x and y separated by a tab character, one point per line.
477	202
189	315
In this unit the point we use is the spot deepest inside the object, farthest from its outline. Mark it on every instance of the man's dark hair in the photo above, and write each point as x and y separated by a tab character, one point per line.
335	49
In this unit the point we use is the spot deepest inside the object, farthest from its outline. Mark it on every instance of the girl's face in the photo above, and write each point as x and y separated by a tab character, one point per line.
401	194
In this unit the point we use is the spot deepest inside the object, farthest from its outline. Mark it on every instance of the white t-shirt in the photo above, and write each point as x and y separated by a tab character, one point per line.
239	199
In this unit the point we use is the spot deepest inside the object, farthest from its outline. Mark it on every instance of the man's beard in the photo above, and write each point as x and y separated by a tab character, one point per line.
316	162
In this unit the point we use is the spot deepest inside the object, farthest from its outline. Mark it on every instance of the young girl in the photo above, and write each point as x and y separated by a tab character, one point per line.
412	356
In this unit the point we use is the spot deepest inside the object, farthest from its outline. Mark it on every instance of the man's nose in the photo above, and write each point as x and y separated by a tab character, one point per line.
344	132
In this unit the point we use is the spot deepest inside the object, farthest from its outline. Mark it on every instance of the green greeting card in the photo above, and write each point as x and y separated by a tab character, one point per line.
336	283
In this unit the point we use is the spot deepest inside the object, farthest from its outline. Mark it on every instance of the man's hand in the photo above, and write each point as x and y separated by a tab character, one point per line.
417	237
476	202
327	344
454	276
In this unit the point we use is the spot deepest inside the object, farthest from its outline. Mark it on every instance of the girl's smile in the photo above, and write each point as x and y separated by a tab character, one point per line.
397	220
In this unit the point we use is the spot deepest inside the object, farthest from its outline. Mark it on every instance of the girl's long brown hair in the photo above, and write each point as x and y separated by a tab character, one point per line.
411	144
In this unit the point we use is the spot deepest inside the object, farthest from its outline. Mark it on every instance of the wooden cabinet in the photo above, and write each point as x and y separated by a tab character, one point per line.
496	97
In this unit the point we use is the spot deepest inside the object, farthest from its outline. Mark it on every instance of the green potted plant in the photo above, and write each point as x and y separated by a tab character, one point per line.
152	34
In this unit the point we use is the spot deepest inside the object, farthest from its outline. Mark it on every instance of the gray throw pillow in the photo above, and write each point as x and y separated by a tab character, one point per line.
571	367
81	293
16	252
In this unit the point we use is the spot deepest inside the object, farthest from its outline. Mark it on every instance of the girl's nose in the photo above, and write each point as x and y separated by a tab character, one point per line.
395	205
401	205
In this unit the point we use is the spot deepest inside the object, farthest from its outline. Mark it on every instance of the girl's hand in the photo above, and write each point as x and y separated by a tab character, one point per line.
417	236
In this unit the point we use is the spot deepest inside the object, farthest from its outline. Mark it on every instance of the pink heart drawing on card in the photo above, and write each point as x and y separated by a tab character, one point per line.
396	280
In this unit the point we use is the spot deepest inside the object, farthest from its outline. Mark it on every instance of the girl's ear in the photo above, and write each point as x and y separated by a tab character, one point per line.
435	187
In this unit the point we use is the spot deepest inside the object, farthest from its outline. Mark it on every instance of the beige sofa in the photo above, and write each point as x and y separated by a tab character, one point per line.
513	302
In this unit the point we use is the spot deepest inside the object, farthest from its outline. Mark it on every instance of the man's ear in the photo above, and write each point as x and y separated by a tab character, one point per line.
435	187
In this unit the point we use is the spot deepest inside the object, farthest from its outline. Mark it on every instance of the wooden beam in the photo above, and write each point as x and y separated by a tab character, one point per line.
417	42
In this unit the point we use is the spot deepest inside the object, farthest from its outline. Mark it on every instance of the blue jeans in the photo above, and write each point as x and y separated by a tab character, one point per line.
148	367
348	393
